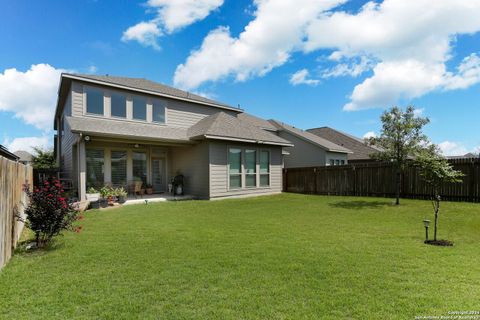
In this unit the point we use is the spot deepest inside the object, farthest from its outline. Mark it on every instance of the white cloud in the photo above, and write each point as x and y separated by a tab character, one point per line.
411	40
301	77
31	95
27	143
171	15
353	68
450	148
369	134
405	44
145	33
92	69
266	42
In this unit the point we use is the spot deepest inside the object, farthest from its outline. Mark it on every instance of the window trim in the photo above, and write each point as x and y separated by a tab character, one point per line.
243	173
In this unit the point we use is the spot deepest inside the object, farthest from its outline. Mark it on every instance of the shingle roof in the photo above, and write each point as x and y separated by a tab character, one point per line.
361	151
24	155
7	154
126	129
256	121
223	126
323	143
155	87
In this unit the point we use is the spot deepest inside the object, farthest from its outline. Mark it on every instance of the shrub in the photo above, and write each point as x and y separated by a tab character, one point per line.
48	212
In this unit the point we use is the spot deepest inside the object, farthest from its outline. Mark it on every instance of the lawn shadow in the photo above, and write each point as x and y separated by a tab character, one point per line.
359	204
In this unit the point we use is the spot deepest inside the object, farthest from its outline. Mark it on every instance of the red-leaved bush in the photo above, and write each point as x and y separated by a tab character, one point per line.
48	212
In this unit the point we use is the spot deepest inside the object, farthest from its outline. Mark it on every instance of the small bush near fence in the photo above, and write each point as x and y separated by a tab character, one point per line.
378	179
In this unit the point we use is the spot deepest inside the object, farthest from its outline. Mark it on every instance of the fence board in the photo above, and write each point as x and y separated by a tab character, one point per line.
378	179
12	199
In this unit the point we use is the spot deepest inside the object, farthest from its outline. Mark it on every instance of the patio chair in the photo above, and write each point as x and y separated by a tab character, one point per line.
135	188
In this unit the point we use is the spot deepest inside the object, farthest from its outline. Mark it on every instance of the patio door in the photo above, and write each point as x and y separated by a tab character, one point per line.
159	175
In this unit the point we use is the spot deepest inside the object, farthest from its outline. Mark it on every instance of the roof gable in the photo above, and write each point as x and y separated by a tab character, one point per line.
309	137
360	149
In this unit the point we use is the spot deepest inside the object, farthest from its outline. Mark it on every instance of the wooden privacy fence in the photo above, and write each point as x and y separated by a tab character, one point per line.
378	179
12	200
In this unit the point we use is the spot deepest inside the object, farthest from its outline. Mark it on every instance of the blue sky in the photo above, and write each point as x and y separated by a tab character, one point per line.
309	63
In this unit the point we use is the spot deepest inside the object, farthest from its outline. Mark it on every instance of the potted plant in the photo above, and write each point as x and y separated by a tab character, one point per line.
92	194
121	195
104	192
142	190
149	188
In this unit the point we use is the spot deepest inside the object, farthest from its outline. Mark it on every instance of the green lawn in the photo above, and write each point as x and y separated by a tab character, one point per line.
280	257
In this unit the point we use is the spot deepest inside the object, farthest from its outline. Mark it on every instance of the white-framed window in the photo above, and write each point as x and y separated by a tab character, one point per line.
94	100
118	103
139	108
235	168
158	111
250	168
264	168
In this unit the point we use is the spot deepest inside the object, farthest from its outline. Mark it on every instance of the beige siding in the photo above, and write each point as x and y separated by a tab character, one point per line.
192	162
185	114
77	99
219	173
66	156
336	156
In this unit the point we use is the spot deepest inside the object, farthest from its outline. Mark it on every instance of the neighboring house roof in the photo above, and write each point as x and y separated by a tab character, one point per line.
7	154
226	127
309	137
256	121
126	129
465	156
361	150
24	156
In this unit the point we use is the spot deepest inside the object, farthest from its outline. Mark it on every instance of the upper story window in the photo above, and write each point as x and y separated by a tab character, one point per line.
139	108
94	100
158	111
118	105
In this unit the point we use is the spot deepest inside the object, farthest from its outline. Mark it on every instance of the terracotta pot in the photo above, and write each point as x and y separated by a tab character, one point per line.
149	190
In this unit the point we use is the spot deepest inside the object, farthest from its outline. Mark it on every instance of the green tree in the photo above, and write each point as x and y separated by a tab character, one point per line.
43	158
436	171
400	139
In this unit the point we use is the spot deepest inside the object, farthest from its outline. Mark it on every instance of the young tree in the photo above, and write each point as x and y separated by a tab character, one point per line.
401	137
43	158
435	171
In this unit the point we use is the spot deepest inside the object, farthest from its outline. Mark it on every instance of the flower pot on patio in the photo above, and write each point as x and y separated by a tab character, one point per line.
103	203
122	199
149	190
95	204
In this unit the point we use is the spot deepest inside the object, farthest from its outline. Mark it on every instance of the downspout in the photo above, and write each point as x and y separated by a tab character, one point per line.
80	136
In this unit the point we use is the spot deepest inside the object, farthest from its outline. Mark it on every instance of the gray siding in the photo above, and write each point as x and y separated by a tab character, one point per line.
219	171
185	114
77	99
303	154
192	162
67	162
336	156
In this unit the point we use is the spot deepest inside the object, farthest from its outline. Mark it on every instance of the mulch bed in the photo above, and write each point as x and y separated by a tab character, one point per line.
442	242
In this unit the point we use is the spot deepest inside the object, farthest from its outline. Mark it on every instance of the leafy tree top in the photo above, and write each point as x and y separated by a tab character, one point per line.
401	135
435	169
43	158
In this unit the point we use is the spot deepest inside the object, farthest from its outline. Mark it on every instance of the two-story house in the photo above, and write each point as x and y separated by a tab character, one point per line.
115	130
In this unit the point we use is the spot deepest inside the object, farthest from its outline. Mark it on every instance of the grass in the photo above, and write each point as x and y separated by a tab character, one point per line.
280	257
